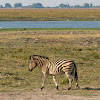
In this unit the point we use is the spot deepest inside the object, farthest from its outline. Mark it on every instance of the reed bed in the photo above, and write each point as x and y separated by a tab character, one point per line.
50	14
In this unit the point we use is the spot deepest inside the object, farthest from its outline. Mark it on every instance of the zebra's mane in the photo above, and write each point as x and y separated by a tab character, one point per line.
39	56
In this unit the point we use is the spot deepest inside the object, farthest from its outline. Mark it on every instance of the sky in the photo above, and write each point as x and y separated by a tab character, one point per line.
51	3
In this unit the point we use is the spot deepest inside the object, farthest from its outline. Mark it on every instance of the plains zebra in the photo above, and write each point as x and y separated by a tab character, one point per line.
54	68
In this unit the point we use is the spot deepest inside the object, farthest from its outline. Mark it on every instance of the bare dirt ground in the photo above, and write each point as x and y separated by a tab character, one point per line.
42	95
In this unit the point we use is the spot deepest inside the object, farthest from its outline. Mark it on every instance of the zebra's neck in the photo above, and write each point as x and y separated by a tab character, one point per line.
40	62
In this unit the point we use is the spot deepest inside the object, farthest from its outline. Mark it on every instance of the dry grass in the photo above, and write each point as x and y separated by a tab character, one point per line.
82	46
49	14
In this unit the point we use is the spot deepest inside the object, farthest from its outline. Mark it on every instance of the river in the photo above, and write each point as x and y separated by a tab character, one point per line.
50	24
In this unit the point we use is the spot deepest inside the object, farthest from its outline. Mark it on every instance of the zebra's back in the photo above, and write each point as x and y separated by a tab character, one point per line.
60	67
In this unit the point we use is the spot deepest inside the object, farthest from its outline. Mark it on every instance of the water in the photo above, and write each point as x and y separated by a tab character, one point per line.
50	24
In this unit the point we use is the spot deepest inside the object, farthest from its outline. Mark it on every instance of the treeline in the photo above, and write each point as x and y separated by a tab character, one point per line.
39	5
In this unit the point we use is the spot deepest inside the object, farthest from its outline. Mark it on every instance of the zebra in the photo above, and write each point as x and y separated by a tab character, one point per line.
54	68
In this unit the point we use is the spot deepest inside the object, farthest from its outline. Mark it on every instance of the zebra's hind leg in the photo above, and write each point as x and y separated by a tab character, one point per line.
70	79
54	79
75	78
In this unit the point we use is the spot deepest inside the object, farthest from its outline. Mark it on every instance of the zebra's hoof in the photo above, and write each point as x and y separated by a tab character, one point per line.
78	87
42	88
69	88
57	88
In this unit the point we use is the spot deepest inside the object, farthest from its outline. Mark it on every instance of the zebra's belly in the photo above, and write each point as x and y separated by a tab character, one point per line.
56	73
60	73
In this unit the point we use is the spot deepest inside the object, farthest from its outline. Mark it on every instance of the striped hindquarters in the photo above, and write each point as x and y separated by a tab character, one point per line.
63	66
66	66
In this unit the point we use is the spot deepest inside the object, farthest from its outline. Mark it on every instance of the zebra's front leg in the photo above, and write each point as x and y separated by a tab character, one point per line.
54	79
44	79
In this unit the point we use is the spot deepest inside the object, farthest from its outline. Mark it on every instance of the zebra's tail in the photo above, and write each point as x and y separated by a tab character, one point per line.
76	75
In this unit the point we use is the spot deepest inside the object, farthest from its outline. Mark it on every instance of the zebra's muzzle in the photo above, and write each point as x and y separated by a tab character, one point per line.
30	69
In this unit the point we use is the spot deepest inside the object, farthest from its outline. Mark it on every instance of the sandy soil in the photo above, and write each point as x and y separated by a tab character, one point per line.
30	96
42	95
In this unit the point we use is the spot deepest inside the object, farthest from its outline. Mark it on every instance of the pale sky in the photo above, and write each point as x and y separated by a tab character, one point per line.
51	3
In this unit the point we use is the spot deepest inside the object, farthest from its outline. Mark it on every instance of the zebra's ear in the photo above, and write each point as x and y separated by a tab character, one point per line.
31	58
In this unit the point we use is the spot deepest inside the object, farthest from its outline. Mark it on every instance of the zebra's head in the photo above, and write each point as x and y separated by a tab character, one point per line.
37	60
32	64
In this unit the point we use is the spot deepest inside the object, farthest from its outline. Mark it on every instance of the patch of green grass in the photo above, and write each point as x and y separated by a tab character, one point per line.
30	29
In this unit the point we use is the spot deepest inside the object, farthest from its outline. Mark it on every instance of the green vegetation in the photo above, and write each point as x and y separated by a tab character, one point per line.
30	29
49	14
82	46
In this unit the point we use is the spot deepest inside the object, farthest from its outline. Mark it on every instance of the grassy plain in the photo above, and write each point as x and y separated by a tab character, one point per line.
50	14
82	46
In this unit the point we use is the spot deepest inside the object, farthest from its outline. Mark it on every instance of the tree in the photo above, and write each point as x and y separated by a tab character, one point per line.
37	5
1	6
91	5
64	6
68	6
8	5
86	5
77	6
18	5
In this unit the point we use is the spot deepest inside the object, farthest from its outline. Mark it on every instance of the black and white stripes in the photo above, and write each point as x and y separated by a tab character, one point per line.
54	68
